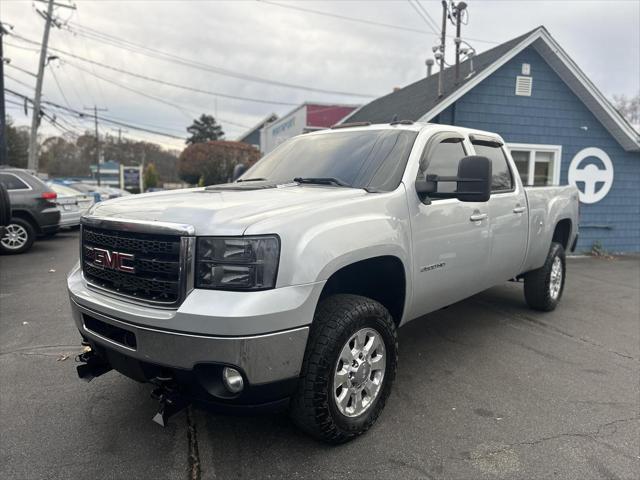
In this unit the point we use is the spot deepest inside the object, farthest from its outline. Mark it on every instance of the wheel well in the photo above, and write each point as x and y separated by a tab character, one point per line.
562	233
23	214
379	278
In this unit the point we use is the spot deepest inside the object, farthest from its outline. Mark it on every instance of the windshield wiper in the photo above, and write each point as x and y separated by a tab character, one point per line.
321	181
250	180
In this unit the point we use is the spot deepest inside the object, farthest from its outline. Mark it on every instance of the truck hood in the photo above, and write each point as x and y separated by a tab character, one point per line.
223	212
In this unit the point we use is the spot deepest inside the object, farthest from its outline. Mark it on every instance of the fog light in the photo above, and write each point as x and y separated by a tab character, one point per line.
232	379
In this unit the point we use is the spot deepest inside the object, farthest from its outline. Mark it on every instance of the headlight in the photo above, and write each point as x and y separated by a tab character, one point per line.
237	263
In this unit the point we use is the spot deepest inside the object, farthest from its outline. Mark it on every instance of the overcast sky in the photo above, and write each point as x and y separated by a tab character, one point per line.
286	44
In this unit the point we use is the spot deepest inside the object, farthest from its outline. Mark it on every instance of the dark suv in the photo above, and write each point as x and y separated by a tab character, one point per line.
33	210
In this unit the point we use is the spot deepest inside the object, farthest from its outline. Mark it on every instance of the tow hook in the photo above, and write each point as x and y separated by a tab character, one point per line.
170	401
91	365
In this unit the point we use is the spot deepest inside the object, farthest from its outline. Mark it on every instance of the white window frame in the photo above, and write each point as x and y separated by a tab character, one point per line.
532	148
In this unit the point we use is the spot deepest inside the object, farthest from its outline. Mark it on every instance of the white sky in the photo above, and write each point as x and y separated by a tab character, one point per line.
291	46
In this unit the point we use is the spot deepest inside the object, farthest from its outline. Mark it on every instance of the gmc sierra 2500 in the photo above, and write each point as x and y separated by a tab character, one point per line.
288	285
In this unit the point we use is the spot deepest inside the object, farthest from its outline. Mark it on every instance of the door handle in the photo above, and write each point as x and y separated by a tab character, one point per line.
518	209
476	217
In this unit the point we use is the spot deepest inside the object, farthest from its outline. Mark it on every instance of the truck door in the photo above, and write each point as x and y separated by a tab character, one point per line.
450	238
507	210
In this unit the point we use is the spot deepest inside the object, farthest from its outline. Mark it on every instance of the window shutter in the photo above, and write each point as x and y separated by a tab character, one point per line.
523	86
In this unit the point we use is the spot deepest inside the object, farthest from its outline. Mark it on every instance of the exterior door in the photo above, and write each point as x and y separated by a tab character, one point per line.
508	212
451	239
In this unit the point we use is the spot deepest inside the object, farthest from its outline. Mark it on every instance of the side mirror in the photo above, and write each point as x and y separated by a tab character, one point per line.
473	182
238	170
474	179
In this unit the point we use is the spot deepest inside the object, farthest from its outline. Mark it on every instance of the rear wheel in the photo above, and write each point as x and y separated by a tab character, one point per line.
18	236
349	367
543	287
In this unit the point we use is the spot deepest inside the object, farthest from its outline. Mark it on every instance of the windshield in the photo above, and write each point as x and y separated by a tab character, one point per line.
372	159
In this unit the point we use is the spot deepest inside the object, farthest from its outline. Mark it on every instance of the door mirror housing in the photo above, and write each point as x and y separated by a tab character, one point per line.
473	182
238	171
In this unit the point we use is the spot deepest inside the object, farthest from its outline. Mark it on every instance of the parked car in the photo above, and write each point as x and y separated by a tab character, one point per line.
117	192
5	209
72	204
34	210
98	193
288	286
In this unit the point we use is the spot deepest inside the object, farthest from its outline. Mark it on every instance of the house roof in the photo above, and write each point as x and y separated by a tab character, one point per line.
268	119
420	101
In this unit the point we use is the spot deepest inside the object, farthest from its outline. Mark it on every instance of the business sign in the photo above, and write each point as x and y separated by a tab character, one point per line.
131	178
592	181
273	134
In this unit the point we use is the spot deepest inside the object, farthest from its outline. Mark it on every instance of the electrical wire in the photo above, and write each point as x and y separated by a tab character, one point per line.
112	40
188	113
360	20
427	19
161	82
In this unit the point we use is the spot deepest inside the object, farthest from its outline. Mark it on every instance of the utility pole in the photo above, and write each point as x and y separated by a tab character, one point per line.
95	121
4	157
458	9
35	119
443	39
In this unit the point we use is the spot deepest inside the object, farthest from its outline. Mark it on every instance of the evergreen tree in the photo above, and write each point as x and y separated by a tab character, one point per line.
204	129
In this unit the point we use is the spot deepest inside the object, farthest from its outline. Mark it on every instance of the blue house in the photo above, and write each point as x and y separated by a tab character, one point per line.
559	127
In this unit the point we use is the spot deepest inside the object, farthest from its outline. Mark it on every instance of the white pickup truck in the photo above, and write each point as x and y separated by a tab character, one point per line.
287	287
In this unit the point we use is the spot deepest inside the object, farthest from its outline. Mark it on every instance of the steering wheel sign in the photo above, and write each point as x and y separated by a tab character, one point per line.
597	181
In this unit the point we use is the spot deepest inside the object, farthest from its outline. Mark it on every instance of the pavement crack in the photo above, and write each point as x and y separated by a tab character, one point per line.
34	350
553	328
193	452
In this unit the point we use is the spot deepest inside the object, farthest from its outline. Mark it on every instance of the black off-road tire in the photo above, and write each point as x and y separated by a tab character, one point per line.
313	407
536	283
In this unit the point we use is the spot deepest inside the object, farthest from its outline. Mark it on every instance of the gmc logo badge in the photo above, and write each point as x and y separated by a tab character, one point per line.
122	262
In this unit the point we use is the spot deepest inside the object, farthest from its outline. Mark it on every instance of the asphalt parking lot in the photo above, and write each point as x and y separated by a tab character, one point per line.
485	389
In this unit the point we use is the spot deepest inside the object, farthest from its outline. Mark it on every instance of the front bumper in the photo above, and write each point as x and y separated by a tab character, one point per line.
209	328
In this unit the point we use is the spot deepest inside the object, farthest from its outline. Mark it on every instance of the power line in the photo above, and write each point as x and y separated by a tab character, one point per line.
83	115
112	40
163	82
360	20
183	109
18	81
427	18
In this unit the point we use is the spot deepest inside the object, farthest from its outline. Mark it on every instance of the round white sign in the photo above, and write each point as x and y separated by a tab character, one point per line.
591	175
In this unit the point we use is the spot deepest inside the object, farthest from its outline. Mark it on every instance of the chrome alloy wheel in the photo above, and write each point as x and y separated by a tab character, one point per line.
555	282
15	237
359	372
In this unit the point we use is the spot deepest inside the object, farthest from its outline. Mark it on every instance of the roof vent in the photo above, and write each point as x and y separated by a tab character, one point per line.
523	86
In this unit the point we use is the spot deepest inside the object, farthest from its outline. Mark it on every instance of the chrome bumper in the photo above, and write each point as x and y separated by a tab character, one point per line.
263	358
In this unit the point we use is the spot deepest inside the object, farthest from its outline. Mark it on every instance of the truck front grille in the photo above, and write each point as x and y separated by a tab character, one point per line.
151	275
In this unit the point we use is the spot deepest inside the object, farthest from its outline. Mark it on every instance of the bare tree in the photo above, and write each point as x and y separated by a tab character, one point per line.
629	108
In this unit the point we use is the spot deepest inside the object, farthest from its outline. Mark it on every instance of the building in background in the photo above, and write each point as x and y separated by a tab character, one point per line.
252	137
560	129
305	118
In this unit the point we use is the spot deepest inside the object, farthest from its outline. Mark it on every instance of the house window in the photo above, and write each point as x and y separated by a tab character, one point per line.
537	164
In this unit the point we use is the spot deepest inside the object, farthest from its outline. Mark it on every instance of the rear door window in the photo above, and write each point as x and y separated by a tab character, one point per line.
12	182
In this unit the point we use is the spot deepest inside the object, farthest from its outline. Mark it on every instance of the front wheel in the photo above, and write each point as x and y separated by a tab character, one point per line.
543	287
348	370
